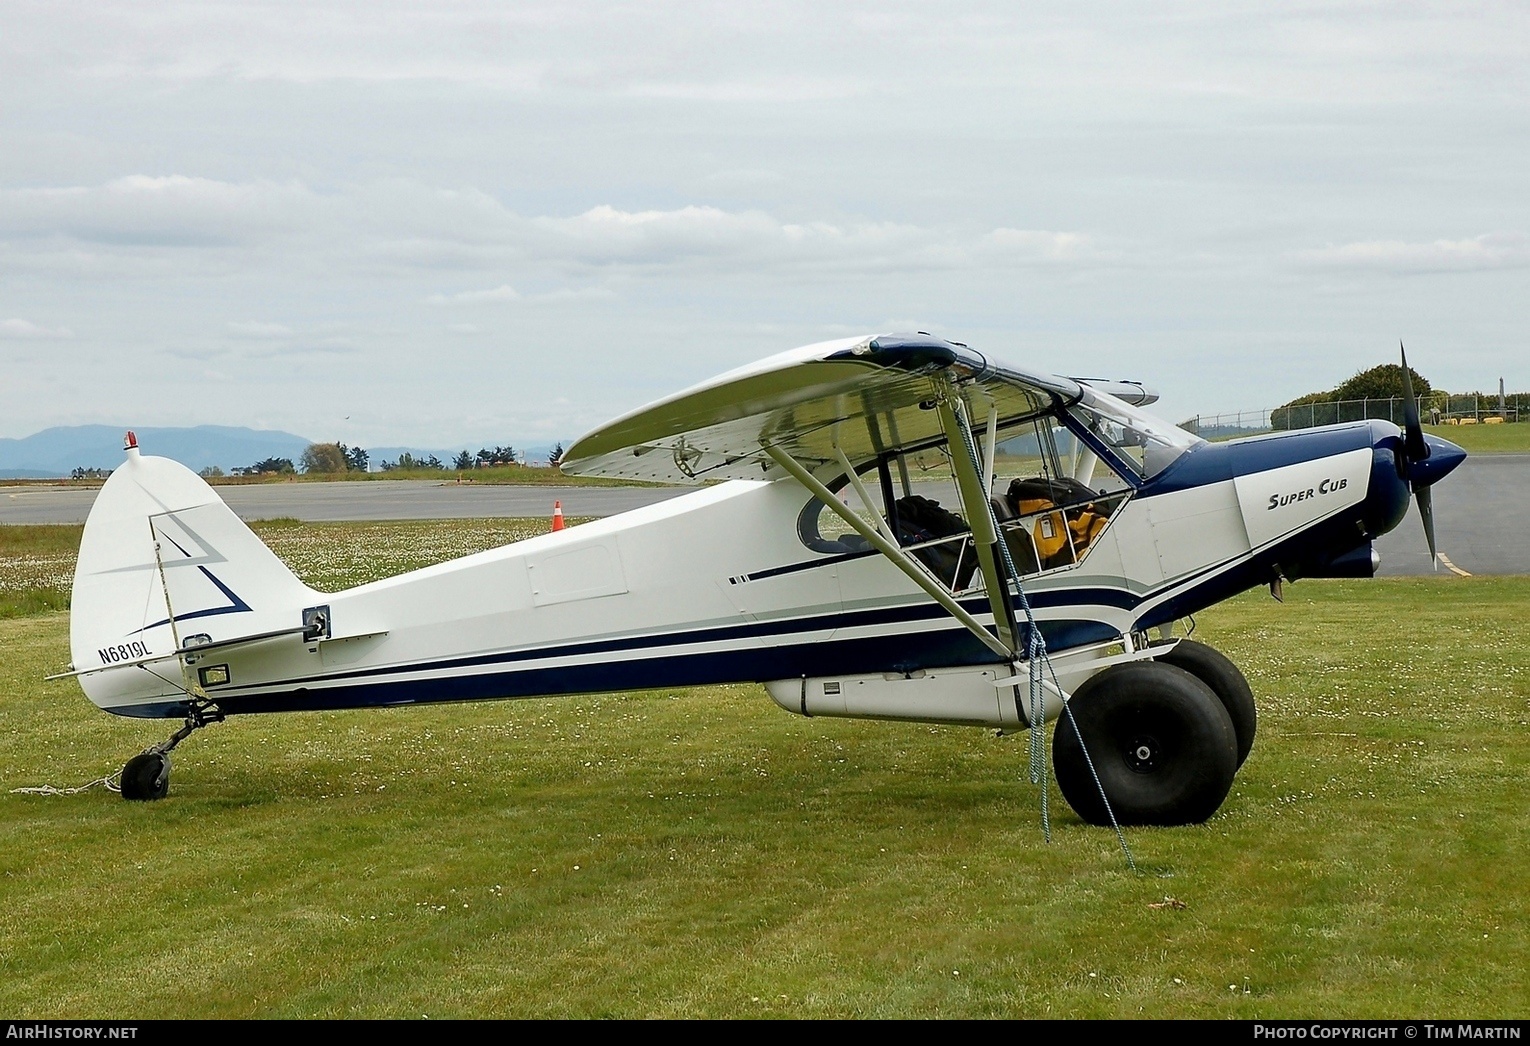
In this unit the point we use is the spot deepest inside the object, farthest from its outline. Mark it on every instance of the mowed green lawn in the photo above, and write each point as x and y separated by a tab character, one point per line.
702	853
1486	439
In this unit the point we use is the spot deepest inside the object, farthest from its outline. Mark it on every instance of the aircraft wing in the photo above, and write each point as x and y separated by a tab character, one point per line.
865	395
1133	392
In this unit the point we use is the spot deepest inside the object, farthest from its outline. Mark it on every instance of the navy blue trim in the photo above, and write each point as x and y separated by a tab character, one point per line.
923	353
1217	462
906	613
916	353
944	649
1386	499
1105	597
899	652
237	605
157	710
793	568
1239	578
1311	552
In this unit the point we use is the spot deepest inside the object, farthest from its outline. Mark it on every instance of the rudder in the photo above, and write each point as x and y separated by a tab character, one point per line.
211	571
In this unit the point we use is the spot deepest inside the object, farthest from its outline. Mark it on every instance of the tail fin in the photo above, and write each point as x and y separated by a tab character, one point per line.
209	575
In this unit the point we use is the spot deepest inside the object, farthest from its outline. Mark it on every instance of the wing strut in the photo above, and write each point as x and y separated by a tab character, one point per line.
972	483
860	492
902	560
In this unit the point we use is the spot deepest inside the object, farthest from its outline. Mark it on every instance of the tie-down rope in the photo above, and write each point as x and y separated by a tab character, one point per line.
1038	662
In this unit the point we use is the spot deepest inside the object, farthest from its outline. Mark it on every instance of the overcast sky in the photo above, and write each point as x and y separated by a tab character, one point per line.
438	223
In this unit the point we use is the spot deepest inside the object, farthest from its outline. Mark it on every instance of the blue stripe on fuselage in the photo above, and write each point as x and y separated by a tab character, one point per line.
1059	634
939	649
1218	462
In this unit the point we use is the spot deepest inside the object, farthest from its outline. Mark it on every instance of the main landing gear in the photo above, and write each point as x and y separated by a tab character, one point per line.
147	775
1163	738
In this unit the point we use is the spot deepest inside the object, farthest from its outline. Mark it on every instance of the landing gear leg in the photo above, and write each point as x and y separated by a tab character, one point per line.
147	775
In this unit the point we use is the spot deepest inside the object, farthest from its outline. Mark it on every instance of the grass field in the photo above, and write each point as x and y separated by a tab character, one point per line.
37	562
701	853
1486	439
1474	439
501	475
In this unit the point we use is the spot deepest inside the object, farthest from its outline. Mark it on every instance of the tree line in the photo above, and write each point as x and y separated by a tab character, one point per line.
1372	389
337	458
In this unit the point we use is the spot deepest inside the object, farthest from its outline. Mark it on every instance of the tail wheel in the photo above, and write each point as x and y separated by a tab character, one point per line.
1161	742
146	776
1213	668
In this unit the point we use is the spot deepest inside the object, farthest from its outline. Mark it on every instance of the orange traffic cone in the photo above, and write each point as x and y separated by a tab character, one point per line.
557	515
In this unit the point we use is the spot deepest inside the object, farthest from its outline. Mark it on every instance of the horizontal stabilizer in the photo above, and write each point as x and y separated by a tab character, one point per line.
192	649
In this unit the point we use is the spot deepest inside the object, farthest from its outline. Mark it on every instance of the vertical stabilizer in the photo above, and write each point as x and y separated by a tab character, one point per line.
209	576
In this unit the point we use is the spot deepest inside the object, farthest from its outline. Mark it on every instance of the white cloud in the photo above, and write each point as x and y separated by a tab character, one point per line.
405	226
18	328
807	88
154	211
607	237
738	177
503	293
302	348
1488	251
719	52
256	330
1039	245
464	328
572	294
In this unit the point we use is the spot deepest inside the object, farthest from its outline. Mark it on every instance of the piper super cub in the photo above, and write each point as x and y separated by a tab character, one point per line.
890	527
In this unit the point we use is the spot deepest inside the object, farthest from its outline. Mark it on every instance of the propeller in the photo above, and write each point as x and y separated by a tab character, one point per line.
1415	451
1414	446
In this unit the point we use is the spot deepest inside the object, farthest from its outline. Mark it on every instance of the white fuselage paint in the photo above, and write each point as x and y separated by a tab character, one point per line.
716	578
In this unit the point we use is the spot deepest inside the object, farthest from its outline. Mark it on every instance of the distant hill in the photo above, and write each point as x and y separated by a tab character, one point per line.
58	451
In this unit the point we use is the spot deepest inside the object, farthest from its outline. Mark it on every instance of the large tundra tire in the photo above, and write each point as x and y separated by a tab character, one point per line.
1213	668
1160	740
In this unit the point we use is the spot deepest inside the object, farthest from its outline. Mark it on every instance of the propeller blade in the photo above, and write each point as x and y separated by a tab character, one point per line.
1426	512
1414	446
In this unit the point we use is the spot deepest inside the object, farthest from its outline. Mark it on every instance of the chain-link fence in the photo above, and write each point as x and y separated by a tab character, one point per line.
1438	408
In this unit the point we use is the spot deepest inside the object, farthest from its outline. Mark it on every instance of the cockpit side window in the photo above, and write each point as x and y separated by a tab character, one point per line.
823	531
1051	494
925	514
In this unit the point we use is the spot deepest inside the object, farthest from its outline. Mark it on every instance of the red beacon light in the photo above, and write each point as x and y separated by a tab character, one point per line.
130	441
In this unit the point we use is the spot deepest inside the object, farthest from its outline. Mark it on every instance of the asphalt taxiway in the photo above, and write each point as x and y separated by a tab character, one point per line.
1481	511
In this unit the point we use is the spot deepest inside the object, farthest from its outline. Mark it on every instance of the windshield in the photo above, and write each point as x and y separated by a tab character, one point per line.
1141	440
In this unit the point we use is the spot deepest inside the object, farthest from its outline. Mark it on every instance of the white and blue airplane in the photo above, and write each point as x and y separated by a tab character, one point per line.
889	527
